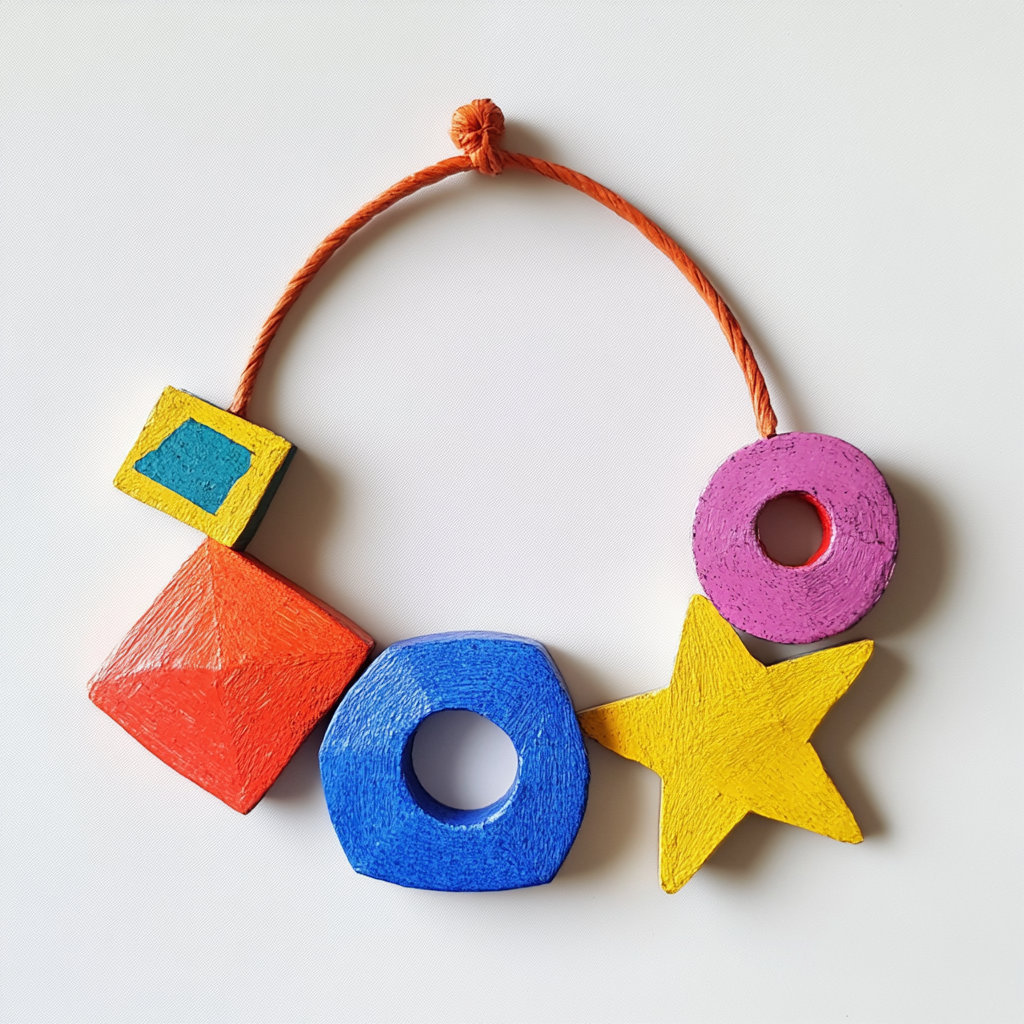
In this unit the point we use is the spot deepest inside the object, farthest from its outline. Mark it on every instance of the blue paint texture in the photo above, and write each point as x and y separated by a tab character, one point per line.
198	463
391	828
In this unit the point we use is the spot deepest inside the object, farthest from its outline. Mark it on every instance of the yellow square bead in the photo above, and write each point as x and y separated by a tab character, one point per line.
204	466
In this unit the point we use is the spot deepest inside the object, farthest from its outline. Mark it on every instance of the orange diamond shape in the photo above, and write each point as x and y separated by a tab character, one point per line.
228	671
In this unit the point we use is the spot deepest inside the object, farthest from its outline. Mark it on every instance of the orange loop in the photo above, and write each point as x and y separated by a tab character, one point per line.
476	129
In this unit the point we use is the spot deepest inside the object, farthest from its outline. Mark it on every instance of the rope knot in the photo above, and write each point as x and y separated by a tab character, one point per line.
476	129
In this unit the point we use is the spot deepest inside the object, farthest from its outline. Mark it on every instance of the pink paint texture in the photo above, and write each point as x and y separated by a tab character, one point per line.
804	603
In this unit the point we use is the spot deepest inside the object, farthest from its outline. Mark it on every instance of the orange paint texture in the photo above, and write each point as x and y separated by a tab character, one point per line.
228	671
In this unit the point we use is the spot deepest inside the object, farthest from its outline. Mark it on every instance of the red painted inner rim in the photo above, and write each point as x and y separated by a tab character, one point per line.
823	517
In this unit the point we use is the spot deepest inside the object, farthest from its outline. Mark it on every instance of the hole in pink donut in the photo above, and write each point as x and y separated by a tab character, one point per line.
794	529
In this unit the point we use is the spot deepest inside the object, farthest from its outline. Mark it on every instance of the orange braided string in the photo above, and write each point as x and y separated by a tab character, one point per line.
476	129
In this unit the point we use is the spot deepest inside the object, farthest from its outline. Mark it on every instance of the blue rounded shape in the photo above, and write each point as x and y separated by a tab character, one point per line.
391	828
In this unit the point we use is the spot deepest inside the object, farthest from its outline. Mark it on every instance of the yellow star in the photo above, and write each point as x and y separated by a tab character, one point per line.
730	735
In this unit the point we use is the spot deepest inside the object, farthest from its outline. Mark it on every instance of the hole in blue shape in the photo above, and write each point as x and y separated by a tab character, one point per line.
459	766
198	463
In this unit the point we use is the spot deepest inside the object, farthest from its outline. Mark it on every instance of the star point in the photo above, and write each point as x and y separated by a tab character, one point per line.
730	736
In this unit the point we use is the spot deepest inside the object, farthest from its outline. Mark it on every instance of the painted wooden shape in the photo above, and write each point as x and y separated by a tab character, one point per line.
228	671
729	736
204	466
841	582
392	829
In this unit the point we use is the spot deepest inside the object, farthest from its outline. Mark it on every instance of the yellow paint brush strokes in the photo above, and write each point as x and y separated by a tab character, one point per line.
729	736
228	525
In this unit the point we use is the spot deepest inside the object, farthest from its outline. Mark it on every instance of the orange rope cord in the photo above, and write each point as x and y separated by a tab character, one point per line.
476	129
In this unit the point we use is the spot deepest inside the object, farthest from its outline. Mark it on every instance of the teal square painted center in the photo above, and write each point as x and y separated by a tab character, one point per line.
198	463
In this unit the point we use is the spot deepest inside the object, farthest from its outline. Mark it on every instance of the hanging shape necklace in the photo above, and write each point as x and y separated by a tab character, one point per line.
232	666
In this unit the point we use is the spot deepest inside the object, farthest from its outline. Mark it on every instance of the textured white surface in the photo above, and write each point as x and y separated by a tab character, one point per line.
506	405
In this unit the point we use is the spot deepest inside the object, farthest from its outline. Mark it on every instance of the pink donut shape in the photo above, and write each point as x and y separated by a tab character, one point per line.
842	581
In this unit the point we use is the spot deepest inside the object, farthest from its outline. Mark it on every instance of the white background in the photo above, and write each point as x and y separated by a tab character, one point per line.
506	404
